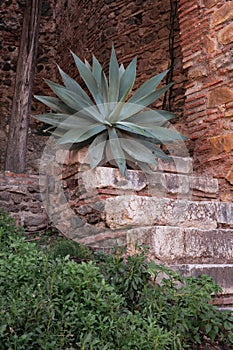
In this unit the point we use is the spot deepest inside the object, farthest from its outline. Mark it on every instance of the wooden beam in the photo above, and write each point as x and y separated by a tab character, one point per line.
19	120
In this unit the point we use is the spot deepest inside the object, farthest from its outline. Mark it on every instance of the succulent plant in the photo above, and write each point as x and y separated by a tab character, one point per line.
114	122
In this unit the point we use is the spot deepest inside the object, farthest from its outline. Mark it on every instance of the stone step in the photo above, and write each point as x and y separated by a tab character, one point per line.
221	273
159	184
183	165
176	245
132	210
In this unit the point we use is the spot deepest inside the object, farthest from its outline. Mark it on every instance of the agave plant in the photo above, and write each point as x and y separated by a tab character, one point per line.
115	123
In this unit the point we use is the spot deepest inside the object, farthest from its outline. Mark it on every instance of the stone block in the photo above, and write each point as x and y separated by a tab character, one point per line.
224	213
223	14
225	36
219	96
221	273
129	211
185	245
180	184
229	176
209	44
222	143
182	165
102	177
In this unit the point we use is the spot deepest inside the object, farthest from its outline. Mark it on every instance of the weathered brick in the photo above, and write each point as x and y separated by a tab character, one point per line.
220	96
225	36
223	14
229	176
222	143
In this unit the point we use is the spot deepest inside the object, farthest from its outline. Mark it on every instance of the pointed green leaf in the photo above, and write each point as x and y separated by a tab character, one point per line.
149	86
72	85
104	87
80	135
137	150
130	109
127	80
161	134
64	121
151	117
121	70
97	70
114	80
117	152
55	104
157	152
68	97
96	149
89	79
133	128
87	64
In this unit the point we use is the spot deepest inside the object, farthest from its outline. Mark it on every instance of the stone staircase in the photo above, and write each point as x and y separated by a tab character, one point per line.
174	212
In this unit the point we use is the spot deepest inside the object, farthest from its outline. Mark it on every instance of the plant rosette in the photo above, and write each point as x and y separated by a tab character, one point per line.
115	124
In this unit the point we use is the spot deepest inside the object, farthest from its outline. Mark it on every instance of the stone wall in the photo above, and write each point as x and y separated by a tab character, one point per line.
20	196
207	44
146	29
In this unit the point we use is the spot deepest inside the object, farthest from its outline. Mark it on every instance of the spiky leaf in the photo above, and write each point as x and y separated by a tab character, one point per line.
80	135
96	149
117	150
114	79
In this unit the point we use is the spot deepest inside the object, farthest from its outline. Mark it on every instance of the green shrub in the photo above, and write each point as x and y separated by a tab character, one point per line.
109	303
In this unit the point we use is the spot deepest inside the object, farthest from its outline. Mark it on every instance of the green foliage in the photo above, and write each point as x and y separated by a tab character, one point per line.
108	303
116	126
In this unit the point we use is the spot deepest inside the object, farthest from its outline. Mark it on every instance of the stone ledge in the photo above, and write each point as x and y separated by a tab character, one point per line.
129	211
221	273
185	245
159	184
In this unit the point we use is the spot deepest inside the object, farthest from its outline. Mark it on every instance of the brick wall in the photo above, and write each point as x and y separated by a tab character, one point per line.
207	43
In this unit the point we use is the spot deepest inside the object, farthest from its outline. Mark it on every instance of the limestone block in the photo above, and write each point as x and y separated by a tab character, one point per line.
178	165
62	157
220	96
180	184
221	273
110	177
224	212
189	245
229	176
126	211
223	14
225	36
222	143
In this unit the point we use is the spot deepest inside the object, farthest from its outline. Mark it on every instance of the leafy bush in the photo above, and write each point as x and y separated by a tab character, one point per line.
105	304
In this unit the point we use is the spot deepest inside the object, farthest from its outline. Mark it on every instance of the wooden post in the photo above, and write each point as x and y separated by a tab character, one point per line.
19	120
